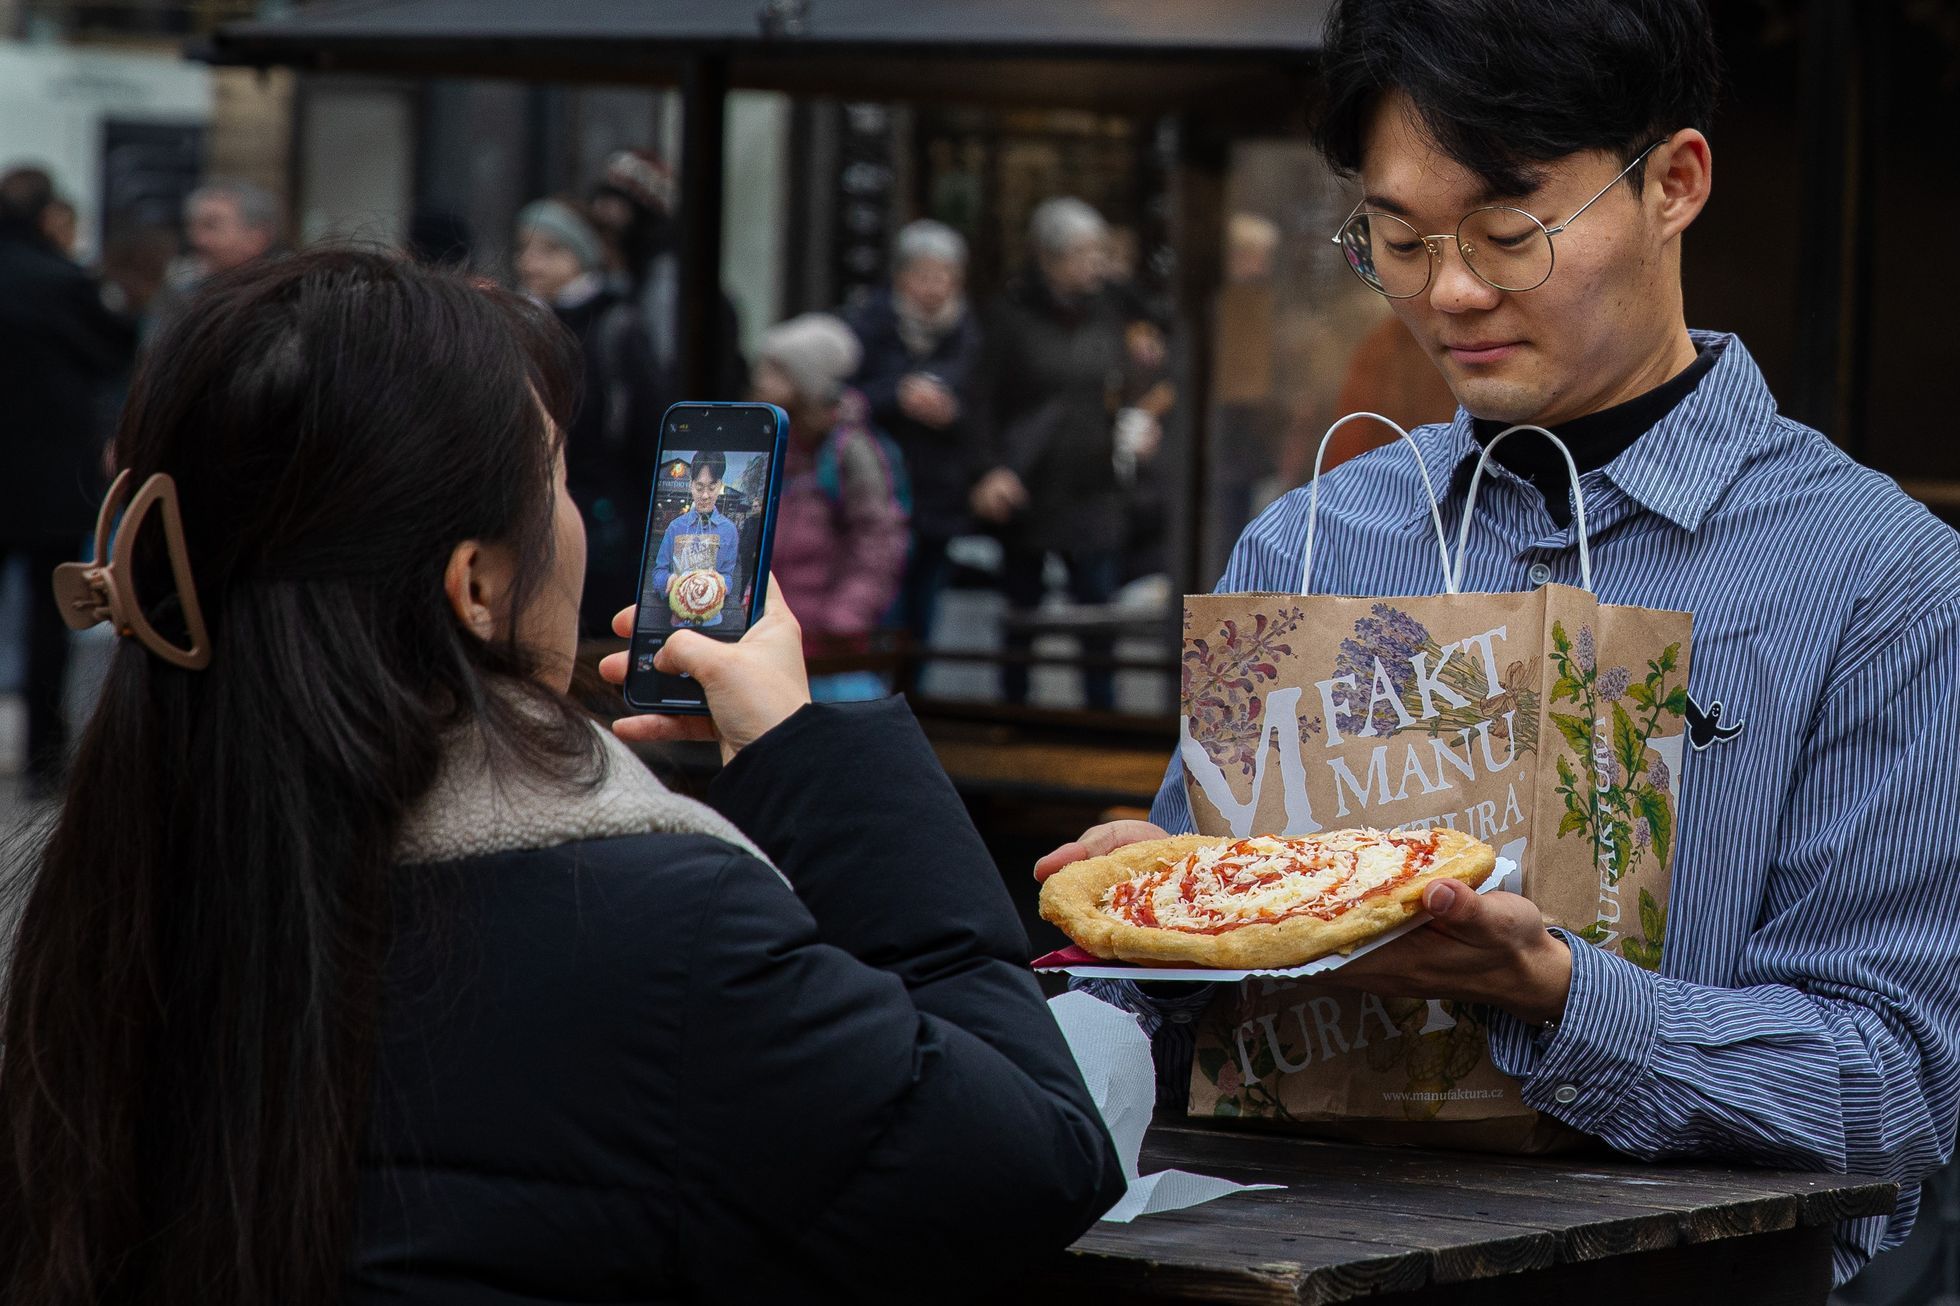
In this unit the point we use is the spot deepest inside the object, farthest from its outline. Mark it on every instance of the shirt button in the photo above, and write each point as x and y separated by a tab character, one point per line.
1539	573
1565	1095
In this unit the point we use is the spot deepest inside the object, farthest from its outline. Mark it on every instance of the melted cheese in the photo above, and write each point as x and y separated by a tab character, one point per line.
1266	879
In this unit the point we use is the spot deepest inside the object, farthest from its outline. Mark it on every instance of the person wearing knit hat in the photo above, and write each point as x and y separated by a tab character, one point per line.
815	353
841	523
559	255
632	204
613	441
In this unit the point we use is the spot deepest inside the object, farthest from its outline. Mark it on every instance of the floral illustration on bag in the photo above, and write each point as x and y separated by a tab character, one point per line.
1223	680
1617	796
1393	638
1437	1061
1220	1065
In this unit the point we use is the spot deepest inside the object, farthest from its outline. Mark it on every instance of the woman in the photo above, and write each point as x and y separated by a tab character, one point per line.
613	439
360	966
840	528
920	375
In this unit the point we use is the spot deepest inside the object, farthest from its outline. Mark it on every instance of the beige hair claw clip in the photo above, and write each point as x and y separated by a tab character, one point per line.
92	592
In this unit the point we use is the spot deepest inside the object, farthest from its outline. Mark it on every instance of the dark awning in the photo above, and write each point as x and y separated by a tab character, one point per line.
1119	54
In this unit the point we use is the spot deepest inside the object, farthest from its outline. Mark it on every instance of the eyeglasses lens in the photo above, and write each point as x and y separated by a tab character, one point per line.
1387	253
1506	247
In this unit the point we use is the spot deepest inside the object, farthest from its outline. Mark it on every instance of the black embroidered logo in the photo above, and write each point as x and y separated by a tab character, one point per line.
1705	726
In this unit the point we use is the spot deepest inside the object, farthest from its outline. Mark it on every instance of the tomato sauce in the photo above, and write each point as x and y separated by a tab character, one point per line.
1232	876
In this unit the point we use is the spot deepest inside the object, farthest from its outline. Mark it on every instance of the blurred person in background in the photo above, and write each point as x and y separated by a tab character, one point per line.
1066	440
632	205
228	223
840	530
614	439
1249	416
58	224
59	348
921	377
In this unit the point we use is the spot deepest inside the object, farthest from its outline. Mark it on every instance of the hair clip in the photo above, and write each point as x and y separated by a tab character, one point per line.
93	592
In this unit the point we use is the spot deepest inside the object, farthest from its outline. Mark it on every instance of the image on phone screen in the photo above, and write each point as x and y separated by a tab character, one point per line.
707	540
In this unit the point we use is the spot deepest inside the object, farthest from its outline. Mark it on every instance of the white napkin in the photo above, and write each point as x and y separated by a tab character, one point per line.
1114	1058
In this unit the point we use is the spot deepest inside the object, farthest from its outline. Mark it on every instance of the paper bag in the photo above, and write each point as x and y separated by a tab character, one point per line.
1547	724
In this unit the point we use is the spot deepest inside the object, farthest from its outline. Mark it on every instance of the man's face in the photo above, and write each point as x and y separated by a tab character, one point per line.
1081	269
706	488
1588	337
219	236
928	284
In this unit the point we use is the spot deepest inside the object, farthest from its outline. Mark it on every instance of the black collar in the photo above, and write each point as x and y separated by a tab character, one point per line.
1595	439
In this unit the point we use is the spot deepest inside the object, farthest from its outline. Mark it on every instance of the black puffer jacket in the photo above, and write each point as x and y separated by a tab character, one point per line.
640	1069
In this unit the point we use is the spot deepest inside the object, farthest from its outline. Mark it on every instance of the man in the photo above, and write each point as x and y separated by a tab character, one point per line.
700	539
921	376
228	224
1066	389
59	347
1806	1012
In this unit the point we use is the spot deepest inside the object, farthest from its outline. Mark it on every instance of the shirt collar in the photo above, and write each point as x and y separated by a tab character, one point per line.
1679	469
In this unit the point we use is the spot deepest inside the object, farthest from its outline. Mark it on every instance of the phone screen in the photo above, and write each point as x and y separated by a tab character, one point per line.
709	529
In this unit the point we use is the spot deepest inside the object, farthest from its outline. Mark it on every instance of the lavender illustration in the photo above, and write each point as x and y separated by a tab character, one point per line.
1395	638
1224	678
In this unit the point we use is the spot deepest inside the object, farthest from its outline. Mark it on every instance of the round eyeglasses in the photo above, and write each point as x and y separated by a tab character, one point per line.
1507	248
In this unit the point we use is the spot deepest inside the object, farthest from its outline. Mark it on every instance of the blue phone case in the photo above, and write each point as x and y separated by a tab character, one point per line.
765	546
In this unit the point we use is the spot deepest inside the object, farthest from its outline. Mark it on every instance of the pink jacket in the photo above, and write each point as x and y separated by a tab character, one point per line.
840	547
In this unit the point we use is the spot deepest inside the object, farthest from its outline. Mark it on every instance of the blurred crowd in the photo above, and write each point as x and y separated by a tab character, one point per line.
917	417
923	414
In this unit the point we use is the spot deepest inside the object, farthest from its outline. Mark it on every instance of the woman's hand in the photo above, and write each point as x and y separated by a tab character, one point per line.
752	685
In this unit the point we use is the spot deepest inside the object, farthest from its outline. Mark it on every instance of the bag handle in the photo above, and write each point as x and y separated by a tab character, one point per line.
1470	503
1313	500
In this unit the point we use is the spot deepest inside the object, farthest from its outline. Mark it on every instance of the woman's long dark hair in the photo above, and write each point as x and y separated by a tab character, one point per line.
191	1009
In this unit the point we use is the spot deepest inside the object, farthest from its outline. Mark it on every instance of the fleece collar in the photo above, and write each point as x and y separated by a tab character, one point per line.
469	812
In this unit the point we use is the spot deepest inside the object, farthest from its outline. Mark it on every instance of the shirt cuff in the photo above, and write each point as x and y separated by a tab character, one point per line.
1604	1042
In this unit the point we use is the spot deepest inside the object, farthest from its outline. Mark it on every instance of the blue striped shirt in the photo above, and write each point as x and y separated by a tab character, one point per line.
1807	1012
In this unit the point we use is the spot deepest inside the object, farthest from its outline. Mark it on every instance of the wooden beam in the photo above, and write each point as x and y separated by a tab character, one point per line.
704	119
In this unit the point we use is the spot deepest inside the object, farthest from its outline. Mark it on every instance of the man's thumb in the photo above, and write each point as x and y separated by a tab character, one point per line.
1443	899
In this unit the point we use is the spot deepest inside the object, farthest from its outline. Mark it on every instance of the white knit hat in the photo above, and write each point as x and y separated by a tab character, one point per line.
816	351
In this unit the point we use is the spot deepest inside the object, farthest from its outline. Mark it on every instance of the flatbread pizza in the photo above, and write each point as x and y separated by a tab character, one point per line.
1265	903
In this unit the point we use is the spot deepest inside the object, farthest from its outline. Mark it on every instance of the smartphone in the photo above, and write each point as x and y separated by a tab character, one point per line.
711	522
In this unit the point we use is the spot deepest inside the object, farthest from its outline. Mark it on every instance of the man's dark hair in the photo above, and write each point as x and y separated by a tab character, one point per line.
1507	86
709	462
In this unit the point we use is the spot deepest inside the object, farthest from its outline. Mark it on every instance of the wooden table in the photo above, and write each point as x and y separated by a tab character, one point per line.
1397	1227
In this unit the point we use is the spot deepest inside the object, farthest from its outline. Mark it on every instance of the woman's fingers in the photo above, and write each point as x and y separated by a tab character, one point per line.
665	729
623	622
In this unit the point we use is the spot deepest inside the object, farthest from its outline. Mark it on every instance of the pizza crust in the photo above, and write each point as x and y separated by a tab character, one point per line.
1072	899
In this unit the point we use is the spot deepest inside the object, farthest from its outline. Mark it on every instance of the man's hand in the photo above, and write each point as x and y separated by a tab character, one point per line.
998	495
1491	948
926	400
1097	841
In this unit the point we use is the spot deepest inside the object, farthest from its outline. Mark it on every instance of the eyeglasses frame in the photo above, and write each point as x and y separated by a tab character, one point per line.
1434	243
